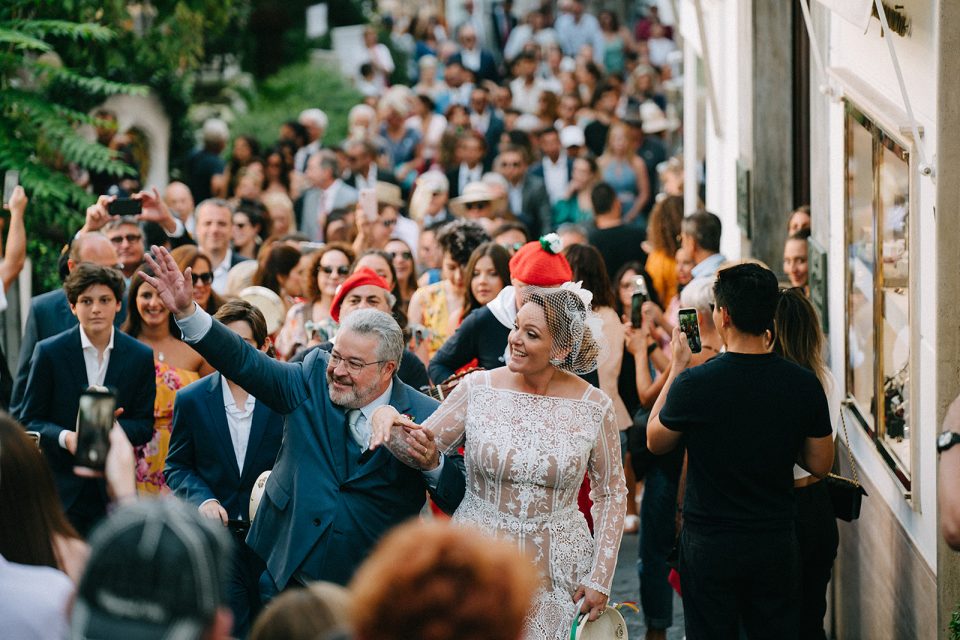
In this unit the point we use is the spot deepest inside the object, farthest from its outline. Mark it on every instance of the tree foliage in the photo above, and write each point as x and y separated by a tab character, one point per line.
61	58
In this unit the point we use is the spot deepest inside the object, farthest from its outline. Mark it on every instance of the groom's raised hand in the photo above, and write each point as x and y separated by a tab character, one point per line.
174	288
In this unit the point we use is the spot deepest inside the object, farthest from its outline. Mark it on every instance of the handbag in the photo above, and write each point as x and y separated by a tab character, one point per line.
846	494
610	625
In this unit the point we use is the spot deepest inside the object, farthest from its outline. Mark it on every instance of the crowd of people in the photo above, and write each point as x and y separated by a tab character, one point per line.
467	310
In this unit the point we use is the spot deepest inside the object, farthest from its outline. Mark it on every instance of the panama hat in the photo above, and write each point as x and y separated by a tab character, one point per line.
474	192
609	625
269	304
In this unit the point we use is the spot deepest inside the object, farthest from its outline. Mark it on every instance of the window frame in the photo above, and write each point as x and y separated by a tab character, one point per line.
903	471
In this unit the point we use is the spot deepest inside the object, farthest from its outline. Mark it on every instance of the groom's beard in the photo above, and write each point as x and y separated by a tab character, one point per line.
354	396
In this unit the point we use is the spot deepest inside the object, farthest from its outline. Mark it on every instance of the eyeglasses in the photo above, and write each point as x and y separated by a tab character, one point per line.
341	271
130	238
205	278
476	205
353	366
406	255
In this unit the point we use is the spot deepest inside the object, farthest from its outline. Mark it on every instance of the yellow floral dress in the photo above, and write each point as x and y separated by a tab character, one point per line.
152	456
436	317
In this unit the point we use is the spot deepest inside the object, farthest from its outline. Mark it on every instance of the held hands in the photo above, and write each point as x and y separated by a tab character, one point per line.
680	350
409	442
174	288
591	601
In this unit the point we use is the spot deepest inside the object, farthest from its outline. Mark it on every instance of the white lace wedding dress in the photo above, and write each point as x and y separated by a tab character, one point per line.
526	456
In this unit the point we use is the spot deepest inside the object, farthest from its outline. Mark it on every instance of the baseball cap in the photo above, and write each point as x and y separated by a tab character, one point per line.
157	571
572	136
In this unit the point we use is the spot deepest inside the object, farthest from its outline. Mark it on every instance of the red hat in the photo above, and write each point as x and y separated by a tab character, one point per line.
540	263
360	278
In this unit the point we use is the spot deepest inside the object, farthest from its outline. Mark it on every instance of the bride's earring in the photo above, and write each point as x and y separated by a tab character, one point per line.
556	362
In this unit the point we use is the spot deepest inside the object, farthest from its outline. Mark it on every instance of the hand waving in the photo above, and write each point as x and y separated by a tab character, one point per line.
174	288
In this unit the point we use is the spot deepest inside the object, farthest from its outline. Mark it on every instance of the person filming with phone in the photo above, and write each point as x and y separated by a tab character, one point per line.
745	417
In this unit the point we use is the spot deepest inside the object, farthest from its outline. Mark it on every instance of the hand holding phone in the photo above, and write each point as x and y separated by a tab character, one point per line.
11	180
125	207
94	421
640	295
688	324
368	204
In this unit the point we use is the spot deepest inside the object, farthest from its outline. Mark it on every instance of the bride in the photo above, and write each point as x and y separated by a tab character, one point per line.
530	431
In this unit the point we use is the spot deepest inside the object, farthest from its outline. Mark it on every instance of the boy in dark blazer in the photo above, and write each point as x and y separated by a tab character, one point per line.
223	439
93	353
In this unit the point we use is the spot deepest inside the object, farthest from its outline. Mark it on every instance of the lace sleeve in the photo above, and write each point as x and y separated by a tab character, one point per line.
608	491
449	421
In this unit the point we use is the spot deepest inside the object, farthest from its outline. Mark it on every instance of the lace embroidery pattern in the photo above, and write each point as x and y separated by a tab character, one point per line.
525	457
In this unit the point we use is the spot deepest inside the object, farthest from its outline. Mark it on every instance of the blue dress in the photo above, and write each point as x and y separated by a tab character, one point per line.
620	175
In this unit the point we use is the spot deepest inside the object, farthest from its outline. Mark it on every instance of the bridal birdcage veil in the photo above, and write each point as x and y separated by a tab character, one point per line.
578	340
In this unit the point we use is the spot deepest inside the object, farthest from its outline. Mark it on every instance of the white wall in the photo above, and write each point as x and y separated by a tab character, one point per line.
146	113
868	79
730	62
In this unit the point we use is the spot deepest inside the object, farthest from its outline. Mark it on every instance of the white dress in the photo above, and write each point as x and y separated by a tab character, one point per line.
526	456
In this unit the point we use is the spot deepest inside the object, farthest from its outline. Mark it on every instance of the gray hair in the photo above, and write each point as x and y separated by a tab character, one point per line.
377	323
705	228
220	203
699	295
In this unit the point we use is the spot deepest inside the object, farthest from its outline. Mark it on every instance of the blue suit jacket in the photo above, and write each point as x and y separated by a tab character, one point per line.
311	505
52	398
49	315
201	464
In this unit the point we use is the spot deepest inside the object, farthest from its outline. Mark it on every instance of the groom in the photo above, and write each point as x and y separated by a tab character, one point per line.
329	498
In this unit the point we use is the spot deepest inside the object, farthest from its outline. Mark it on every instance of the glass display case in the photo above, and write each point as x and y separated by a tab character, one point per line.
878	288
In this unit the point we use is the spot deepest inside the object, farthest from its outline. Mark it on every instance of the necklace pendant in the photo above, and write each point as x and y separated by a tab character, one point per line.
160	356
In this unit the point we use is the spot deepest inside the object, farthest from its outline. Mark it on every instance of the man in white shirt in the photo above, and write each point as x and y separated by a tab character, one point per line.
471	149
90	354
555	166
223	440
315	121
326	193
526	87
576	29
214	232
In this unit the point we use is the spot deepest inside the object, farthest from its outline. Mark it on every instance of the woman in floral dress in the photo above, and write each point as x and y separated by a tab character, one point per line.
176	364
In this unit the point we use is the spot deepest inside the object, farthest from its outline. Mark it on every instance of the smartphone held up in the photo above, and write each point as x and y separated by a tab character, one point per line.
640	295
11	180
689	325
94	421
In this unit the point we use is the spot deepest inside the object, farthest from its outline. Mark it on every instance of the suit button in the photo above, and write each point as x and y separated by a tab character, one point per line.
316	522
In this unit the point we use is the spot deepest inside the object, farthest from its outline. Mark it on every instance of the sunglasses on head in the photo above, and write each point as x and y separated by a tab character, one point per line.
406	255
476	205
342	271
205	278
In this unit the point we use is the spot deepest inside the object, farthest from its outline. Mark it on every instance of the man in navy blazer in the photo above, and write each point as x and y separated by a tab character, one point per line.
222	440
50	312
65	365
329	498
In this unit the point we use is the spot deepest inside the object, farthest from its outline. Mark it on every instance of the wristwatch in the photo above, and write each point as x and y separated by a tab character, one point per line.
946	440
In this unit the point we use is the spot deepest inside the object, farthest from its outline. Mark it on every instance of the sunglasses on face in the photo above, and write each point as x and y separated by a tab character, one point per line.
130	238
513	248
476	205
205	278
389	223
341	271
406	255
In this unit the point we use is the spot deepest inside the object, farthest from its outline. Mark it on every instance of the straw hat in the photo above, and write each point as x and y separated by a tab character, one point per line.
269	304
390	194
474	192
609	625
